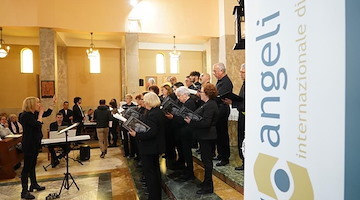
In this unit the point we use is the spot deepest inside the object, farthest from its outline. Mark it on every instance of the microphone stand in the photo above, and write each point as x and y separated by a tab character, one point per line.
65	184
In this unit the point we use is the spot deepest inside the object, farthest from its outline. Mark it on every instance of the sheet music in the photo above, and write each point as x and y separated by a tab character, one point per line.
13	136
68	128
119	117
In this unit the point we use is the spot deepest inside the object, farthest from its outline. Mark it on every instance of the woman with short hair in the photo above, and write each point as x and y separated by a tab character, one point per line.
31	142
152	144
205	131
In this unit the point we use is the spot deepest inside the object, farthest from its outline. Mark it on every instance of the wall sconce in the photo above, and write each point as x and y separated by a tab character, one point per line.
4	49
239	13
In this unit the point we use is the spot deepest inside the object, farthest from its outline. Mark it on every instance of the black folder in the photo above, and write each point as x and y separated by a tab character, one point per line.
231	96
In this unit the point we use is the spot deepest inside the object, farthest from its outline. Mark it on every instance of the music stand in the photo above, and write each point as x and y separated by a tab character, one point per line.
65	184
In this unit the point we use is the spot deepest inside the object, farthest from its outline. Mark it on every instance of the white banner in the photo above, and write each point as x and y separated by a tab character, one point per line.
295	85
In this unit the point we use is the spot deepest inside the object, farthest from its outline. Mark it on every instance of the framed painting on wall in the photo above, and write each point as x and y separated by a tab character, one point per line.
47	89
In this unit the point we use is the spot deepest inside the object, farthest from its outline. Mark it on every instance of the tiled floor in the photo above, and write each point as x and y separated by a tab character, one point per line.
97	178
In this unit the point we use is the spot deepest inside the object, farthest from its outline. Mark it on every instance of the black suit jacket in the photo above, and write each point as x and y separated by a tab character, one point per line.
54	126
240	105
205	129
153	141
66	116
77	114
32	135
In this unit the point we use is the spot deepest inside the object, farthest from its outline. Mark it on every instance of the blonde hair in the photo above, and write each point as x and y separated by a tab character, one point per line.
29	104
128	95
12	116
151	99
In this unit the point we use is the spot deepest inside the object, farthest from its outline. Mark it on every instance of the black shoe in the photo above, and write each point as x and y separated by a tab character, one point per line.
205	191
36	187
27	195
240	168
222	163
55	163
198	151
137	158
102	155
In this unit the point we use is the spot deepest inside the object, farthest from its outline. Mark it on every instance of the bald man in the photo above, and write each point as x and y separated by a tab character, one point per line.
204	78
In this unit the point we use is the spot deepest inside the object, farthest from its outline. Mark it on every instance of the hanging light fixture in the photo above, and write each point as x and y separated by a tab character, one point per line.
94	57
92	52
4	49
174	53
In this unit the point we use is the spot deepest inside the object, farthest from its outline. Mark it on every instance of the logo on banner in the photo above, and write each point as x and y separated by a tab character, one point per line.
269	184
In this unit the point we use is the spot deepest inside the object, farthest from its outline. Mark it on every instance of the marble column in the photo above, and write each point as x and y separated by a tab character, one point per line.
132	64
123	75
48	59
61	77
212	56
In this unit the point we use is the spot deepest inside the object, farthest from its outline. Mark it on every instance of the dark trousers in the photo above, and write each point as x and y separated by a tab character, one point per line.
65	148
179	147
151	168
206	159
186	143
170	152
222	141
134	149
241	134
29	171
79	128
114	132
126	141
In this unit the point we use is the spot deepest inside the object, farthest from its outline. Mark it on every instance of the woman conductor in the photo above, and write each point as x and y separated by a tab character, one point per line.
205	131
152	144
32	122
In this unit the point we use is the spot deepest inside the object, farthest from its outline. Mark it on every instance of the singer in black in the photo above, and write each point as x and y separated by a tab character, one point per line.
78	115
223	86
205	132
240	106
32	135
152	144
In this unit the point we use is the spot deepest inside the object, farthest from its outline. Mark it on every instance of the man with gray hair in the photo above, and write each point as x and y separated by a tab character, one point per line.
224	86
240	105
